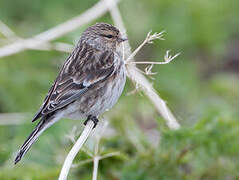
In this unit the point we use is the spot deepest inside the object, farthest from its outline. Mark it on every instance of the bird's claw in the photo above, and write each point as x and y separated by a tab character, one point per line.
93	118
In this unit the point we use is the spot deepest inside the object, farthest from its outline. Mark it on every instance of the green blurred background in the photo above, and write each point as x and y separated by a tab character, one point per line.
201	88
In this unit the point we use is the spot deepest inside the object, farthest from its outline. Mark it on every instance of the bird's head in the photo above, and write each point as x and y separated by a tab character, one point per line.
103	36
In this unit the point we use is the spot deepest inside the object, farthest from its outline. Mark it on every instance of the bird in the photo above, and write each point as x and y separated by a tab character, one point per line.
89	83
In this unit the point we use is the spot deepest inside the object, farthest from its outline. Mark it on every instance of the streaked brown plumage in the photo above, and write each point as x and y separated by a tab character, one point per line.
90	81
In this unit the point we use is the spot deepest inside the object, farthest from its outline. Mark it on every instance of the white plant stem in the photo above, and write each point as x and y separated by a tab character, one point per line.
159	104
37	41
149	39
6	31
95	167
75	149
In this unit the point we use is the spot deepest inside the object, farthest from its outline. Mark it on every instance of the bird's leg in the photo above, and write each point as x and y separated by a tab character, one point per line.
93	118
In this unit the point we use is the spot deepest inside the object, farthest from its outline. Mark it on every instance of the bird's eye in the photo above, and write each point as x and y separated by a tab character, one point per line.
109	36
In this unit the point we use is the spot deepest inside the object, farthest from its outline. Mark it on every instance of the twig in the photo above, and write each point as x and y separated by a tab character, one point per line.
95	167
167	59
109	155
75	149
47	46
11	36
63	47
140	79
148	40
95	12
92	159
6	31
72	134
81	163
87	152
159	104
96	157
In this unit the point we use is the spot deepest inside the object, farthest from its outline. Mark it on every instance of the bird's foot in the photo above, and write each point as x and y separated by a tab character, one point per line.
93	118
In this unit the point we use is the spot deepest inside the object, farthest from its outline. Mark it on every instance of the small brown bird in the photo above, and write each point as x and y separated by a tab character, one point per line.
89	83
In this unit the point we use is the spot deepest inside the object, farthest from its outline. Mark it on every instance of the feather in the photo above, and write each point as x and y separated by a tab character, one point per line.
72	82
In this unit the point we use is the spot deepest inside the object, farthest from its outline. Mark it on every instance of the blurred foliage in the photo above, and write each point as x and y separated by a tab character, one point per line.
200	86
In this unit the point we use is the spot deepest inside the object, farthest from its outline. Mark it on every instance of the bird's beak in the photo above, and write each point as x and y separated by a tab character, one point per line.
122	39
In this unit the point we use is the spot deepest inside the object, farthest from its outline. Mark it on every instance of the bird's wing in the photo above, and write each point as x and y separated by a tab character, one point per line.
84	68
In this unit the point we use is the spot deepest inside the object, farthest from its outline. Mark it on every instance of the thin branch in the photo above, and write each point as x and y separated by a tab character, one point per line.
6	31
96	157
91	14
147	62
72	134
11	36
75	149
139	78
63	47
81	163
47	46
87	152
148	40
95	167
167	59
92	159
159	104
148	70
109	155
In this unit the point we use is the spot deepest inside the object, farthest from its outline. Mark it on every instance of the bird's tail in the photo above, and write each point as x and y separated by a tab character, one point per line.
40	127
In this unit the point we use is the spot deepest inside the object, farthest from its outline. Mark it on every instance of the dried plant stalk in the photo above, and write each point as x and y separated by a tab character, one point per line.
36	42
75	149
